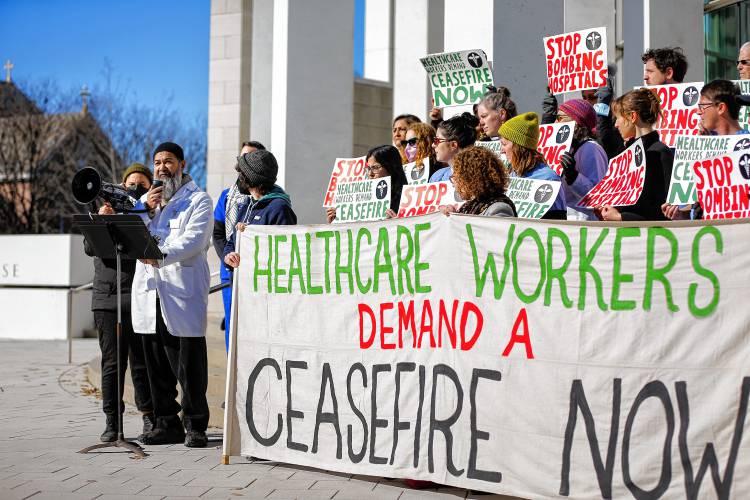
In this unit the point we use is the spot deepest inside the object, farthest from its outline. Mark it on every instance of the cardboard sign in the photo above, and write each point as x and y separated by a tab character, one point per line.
458	78
577	60
623	183
532	197
688	149
416	174
722	185
554	140
362	200
525	358
427	198
679	106
344	170
744	117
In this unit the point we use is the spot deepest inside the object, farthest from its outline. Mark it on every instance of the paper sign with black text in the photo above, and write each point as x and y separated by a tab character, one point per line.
416	174
722	185
458	78
532	197
688	149
362	200
527	358
344	170
679	110
577	60
623	183
427	198
554	140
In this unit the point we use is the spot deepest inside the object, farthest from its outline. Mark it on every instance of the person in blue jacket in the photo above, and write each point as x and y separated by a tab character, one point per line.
519	137
268	204
225	219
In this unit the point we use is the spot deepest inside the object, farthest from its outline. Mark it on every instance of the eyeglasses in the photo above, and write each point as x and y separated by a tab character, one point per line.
744	62
375	167
705	105
410	142
437	140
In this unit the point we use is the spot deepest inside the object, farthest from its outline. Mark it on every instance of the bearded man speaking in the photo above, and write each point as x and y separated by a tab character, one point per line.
169	300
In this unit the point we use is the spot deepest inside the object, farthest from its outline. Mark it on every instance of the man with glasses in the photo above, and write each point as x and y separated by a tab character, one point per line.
743	61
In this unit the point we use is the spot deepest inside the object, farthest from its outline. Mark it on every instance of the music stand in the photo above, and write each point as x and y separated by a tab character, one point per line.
112	236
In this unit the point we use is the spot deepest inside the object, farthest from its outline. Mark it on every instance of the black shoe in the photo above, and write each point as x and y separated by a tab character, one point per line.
196	439
149	422
168	430
110	430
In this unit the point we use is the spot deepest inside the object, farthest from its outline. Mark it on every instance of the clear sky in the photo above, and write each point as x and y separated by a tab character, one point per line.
158	47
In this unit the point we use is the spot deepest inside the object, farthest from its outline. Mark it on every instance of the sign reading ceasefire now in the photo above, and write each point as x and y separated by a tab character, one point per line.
577	60
458	78
520	357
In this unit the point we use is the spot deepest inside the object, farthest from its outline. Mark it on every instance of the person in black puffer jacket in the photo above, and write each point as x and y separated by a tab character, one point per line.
137	180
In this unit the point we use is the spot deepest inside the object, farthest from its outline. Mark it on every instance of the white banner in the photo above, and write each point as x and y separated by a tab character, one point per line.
517	357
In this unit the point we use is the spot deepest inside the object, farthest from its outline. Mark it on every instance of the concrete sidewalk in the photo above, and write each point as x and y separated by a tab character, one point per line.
48	413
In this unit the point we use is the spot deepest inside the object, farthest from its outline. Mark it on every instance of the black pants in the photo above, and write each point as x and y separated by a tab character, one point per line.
171	359
131	347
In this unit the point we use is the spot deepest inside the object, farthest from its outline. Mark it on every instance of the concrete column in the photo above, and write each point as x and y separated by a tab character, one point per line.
228	89
468	28
418	26
377	40
632	46
311	104
261	88
518	51
678	23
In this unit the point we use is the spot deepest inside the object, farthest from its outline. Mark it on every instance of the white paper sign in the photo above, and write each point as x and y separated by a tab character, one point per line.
622	185
577	60
554	140
458	78
362	200
532	197
679	105
416	174
427	198
344	170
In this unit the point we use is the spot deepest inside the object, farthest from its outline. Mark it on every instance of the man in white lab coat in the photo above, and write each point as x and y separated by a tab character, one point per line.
169	300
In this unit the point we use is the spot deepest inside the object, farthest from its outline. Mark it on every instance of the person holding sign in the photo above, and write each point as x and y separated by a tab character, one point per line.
383	161
664	66
480	178
495	109
636	114
585	164
418	146
400	125
519	137
268	204
453	135
719	109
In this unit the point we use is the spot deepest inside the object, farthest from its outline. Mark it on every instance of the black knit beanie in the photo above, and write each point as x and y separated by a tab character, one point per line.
259	167
170	147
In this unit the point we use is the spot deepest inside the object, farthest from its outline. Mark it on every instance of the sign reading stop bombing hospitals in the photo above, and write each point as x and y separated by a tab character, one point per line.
623	183
458	78
679	110
577	60
554	140
344	170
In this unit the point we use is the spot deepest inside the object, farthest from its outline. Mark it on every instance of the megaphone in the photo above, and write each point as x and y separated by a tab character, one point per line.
87	185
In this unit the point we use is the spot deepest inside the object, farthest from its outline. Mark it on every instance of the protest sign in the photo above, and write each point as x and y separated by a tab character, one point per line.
427	198
722	185
554	140
457	78
362	200
623	183
520	357
532	197
577	60
344	170
416	174
494	146
679	110
744	118
688	149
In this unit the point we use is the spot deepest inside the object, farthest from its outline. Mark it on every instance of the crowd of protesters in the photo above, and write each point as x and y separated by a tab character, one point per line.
168	298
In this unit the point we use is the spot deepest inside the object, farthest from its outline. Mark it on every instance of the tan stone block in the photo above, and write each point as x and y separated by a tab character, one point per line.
226	24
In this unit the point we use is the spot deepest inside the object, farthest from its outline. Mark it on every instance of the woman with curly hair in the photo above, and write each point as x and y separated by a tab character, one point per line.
480	178
418	146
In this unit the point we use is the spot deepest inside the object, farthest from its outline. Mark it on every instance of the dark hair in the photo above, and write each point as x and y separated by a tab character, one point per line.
499	98
390	159
644	102
724	91
460	128
409	119
253	144
668	57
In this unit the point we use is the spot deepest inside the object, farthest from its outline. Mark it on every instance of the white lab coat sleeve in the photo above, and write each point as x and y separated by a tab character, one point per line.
195	237
140	205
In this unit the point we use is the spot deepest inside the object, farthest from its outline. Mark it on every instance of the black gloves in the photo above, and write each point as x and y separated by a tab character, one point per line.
568	162
549	108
